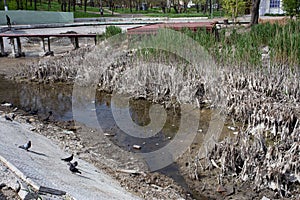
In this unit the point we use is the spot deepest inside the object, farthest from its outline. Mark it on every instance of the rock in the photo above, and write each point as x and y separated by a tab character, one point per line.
230	190
30	120
265	198
220	189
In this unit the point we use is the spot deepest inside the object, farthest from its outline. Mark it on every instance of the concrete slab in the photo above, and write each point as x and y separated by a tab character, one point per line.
43	167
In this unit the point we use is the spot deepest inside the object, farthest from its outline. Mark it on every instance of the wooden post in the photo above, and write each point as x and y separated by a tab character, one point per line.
43	44
2	46
13	48
20	53
95	39
76	43
49	49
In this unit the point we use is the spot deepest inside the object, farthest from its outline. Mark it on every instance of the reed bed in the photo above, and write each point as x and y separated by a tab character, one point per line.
257	77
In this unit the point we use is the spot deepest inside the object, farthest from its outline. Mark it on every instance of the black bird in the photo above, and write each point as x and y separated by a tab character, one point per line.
8	118
68	159
26	146
48	117
74	164
73	169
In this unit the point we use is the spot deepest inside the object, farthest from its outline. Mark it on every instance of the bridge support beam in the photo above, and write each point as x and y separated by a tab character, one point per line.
75	42
19	46
2	53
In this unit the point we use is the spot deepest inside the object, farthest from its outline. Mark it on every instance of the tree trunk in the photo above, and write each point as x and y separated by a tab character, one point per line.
130	5
197	8
74	5
21	5
69	5
254	12
35	8
49	4
18	7
85	4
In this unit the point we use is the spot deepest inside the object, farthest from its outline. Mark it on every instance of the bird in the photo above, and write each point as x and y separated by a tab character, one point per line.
26	146
8	118
48	117
68	159
73	168
73	164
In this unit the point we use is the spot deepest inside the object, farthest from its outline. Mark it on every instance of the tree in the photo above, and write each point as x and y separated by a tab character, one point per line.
254	12
234	7
292	7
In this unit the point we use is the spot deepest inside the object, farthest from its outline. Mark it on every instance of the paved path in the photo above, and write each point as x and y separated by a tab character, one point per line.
42	166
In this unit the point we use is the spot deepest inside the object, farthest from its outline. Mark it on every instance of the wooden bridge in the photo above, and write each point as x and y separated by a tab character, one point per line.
153	28
16	37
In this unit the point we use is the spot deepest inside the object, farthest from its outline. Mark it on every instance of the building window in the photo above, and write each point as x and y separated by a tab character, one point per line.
274	3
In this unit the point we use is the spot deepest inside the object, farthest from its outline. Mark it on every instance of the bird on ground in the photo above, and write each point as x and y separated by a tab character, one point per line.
8	118
26	146
74	164
73	169
68	159
48	117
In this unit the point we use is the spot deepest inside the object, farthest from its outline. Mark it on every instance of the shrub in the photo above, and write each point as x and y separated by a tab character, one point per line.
112	30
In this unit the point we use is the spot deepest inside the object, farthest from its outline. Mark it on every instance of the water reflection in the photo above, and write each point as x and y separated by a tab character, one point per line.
58	99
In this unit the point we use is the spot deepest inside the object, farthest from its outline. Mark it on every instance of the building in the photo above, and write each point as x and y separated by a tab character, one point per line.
271	7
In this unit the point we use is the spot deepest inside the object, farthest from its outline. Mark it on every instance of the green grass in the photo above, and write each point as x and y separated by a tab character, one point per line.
79	13
243	47
55	6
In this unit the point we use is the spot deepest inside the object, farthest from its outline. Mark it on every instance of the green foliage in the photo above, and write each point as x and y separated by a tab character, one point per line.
292	7
243	47
234	7
112	30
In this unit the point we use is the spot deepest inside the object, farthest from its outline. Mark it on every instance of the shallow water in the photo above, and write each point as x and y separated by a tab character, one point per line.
58	99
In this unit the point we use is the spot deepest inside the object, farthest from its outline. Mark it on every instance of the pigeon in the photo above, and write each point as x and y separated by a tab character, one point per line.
74	164
73	168
68	159
8	118
26	146
48	117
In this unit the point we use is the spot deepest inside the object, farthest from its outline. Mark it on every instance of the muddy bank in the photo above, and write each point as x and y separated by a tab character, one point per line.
260	160
98	149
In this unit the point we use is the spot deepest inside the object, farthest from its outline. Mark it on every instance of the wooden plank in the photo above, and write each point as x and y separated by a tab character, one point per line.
46	35
47	190
2	46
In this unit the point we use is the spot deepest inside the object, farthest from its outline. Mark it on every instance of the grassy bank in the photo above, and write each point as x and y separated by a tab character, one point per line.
241	46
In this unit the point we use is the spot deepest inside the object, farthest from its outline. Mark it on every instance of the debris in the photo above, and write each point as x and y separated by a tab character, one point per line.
135	146
128	171
220	189
214	164
108	134
7	105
